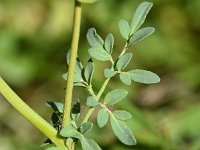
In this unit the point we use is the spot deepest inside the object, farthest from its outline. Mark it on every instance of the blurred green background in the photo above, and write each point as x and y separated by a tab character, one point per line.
34	38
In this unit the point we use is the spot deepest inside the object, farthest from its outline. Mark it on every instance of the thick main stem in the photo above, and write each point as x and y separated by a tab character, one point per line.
30	114
72	63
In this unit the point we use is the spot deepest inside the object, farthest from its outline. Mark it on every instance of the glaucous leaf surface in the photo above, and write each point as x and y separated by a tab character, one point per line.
122	114
77	77
123	61
99	53
94	39
115	96
108	73
91	101
89	70
68	131
144	76
140	35
88	144
109	42
125	78
102	117
86	127
121	131
140	15
124	28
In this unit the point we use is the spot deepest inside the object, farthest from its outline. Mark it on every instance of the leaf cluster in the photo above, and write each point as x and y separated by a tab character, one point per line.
102	50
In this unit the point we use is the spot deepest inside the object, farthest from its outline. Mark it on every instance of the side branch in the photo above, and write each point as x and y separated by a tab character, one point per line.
30	114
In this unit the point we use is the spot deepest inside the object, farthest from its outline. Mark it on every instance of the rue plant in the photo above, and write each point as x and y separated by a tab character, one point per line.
68	128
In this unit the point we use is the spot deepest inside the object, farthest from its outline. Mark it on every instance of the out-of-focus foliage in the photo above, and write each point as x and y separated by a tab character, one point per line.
35	36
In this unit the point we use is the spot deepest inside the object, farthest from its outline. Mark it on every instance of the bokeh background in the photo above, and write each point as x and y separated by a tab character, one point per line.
35	36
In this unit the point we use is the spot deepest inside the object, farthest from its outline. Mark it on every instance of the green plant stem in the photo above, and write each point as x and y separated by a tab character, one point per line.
91	110
72	63
30	114
97	97
124	50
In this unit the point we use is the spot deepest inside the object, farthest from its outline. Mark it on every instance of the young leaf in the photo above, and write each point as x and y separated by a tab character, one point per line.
140	15
57	107
102	117
124	28
94	39
121	131
88	144
108	73
92	102
125	78
68	131
99	54
87	1
122	115
109	42
123	61
89	70
86	127
140	35
144	76
115	96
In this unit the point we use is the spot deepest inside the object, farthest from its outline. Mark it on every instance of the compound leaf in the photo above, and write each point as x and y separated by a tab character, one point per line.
140	15
121	131
102	117
123	61
124	28
115	96
140	35
99	53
